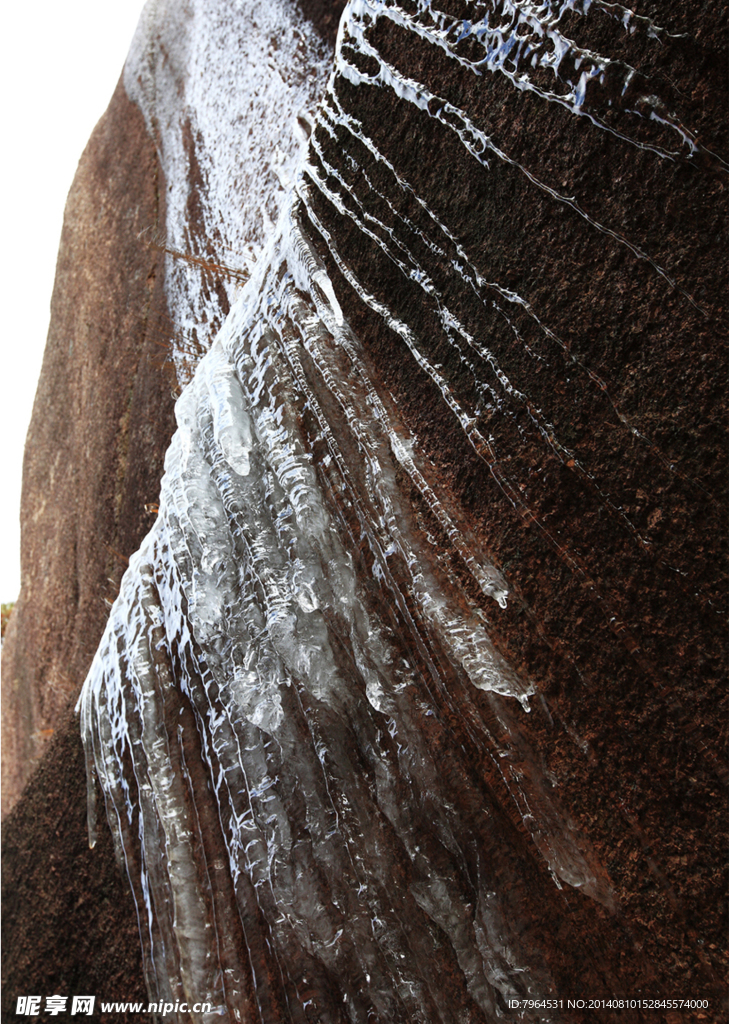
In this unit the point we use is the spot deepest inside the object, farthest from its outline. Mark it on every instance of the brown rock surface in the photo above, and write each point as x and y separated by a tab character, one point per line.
102	419
614	545
101	423
69	925
615	549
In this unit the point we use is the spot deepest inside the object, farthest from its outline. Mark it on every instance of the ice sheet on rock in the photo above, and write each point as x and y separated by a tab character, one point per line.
207	77
526	43
244	593
271	711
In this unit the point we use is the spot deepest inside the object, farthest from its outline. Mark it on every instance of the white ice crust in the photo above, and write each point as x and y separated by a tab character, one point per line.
239	580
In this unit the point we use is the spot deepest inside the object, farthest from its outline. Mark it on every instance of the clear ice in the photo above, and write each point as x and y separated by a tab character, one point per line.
254	714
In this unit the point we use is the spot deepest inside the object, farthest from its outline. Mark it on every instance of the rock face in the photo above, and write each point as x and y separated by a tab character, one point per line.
411	702
102	420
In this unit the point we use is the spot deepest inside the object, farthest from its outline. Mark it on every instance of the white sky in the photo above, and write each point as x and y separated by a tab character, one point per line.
59	69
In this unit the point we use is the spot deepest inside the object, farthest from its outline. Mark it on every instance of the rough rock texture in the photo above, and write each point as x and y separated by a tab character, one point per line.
525	251
613	539
599	496
69	925
102	420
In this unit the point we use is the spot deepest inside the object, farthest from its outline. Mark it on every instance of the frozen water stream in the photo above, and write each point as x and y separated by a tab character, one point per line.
271	713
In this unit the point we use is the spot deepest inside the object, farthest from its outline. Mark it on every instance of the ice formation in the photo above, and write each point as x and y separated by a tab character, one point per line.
269	715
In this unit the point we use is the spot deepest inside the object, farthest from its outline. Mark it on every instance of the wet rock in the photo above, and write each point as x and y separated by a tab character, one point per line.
411	702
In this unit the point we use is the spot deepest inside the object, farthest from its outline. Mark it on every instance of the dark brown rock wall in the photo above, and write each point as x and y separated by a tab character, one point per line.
609	524
101	423
611	530
69	925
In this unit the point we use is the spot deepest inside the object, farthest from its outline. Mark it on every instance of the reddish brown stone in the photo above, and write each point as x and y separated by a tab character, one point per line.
618	604
102	419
